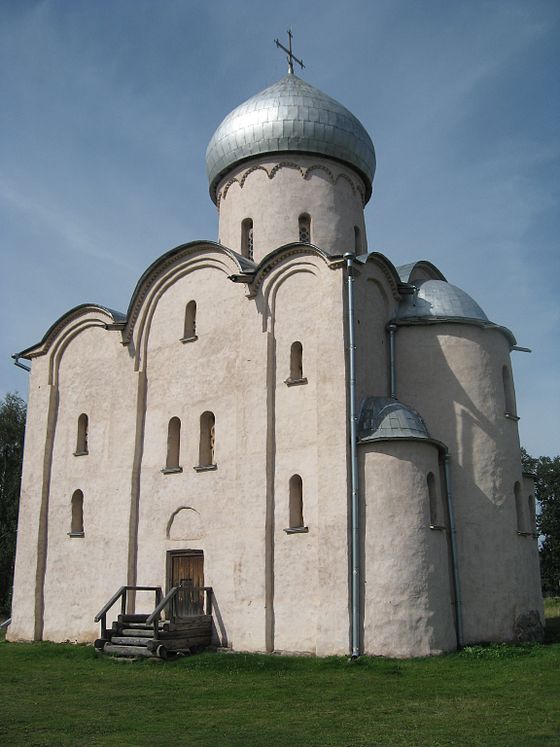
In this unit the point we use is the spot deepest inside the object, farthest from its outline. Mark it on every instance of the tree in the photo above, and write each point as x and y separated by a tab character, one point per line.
12	427
547	471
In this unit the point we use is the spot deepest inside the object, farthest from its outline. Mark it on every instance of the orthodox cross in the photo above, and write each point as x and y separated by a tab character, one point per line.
291	55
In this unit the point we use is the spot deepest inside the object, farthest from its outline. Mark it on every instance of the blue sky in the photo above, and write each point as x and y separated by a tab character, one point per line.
108	105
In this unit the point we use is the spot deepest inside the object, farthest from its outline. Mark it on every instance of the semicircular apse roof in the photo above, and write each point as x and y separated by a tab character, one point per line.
290	116
384	417
437	299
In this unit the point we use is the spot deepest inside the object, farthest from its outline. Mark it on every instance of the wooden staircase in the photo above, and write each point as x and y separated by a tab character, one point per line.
146	635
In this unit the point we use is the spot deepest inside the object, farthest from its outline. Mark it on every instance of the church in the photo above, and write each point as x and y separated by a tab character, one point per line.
324	442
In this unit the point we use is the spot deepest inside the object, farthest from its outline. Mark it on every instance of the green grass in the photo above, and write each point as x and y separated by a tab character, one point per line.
485	695
552	614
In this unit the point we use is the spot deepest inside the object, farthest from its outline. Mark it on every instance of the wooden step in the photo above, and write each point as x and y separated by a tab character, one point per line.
132	618
179	644
185	625
114	650
129	640
139	626
138	632
195	635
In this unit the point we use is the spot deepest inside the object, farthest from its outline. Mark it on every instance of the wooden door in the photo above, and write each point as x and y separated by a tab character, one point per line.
186	569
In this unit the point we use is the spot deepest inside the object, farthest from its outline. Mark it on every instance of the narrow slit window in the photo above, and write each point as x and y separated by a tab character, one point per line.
304	223
247	238
77	518
296	361
435	519
207	447
509	394
518	508
296	502
357	240
189	331
82	439
532	514
173	444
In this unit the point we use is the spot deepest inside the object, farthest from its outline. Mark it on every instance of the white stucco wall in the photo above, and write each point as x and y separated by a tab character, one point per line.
265	432
274	193
223	371
95	378
272	590
22	626
86	370
452	374
310	441
236	514
375	301
408	594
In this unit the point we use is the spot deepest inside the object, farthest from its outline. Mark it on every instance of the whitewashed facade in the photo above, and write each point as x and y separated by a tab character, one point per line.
214	417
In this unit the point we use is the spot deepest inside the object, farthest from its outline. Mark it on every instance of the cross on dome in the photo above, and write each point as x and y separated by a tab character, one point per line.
291	55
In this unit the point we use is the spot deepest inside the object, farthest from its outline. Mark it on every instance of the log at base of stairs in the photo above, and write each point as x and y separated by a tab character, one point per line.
131	637
127	651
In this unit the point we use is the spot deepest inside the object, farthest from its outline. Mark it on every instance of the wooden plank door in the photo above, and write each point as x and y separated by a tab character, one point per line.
186	569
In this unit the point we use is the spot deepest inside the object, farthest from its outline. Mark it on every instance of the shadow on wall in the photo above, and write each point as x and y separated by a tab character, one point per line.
184	524
436	596
219	633
499	433
485	464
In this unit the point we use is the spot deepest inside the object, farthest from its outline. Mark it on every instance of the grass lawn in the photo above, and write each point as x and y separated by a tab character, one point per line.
66	695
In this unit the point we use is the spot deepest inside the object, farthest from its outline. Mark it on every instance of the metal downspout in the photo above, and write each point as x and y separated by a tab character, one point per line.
392	327
354	505
454	559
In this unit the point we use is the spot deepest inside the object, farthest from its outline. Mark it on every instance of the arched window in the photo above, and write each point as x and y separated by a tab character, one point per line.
304	222
189	332
433	498
77	521
296	502
532	515
519	508
296	361
296	365
173	446
82	439
247	238
207	447
509	394
357	240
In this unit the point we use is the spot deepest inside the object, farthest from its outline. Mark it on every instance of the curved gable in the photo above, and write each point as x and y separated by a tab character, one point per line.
229	261
420	270
111	319
275	257
387	268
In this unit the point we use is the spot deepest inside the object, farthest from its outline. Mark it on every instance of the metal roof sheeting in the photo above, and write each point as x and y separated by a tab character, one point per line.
383	417
290	115
437	299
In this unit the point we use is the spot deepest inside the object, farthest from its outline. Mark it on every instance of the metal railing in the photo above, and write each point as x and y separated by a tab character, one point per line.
122	594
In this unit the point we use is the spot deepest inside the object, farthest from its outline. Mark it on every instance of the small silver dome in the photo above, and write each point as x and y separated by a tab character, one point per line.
436	299
290	116
383	417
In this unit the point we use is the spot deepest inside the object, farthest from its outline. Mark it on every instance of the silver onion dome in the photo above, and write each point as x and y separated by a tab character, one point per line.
290	116
437	299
